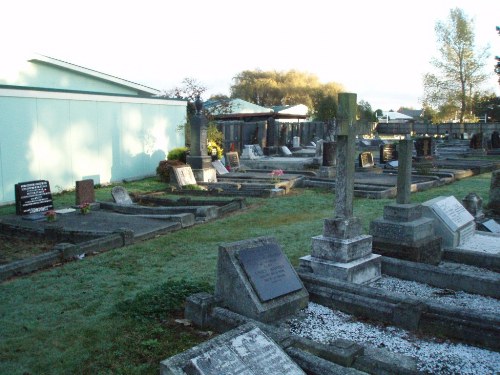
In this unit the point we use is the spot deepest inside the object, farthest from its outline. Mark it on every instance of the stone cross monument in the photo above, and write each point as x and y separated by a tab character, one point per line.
403	232
342	251
198	158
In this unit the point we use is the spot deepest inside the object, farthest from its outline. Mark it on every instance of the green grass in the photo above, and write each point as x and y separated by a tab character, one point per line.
113	313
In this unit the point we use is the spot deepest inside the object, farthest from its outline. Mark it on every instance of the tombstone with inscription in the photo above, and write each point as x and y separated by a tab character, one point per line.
342	251
402	232
365	160
84	191
388	153
423	147
183	176
233	161
120	195
245	350
219	167
452	221
494	202
255	279
33	197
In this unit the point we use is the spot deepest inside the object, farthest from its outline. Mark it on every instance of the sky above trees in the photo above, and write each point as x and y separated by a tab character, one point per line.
378	49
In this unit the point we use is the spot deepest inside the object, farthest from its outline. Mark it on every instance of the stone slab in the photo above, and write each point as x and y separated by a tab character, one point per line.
341	250
184	176
404	232
359	271
219	167
491	225
482	242
33	197
245	350
450	211
84	191
402	212
120	195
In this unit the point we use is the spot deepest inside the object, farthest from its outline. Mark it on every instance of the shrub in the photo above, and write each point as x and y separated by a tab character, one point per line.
164	168
178	153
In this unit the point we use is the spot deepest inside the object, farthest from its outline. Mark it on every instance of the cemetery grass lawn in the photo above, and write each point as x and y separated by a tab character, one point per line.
115	313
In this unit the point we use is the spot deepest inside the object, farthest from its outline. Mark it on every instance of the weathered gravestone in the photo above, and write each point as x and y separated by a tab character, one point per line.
494	202
452	221
343	252
423	147
495	140
183	176
402	232
120	195
255	279
365	160
33	197
388	153
474	204
233	160
285	151
84	191
219	167
245	350
491	226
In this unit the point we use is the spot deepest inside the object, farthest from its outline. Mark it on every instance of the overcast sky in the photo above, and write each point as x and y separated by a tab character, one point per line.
377	49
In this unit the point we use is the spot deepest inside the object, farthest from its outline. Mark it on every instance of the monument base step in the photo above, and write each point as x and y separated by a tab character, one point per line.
359	271
205	175
424	251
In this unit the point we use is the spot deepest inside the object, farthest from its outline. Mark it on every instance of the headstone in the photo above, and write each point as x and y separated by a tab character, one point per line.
388	153
342	251
495	140
245	350
233	160
494	202
476	141
423	146
84	191
365	160
474	204
296	142
286	151
33	197
491	226
257	150
255	279
183	176
329	154
452	221
120	195
219	167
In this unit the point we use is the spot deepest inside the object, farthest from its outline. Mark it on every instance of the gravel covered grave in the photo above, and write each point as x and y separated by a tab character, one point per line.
324	325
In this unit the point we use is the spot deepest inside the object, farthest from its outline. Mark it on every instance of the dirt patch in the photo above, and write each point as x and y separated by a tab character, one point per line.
15	248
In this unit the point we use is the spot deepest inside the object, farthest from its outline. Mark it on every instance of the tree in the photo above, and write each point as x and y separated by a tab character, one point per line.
459	68
273	88
365	112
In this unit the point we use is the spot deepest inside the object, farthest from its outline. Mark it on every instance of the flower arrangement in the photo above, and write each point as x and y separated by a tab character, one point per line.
214	150
276	174
51	215
84	208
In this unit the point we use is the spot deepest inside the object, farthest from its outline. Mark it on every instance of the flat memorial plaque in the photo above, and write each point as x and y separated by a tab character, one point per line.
247	354
33	197
492	226
269	271
184	176
452	212
219	167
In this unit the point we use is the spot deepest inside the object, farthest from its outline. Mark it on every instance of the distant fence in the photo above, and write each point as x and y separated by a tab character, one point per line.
437	129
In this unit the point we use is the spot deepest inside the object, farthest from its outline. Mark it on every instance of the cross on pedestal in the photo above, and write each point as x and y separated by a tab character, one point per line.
404	171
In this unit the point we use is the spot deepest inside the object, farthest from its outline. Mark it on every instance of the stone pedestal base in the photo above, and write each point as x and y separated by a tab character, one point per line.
404	233
205	175
341	250
359	271
327	172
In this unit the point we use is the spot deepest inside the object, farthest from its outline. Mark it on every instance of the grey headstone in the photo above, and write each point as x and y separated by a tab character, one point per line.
255	279
491	225
84	191
184	176
286	151
219	167
120	195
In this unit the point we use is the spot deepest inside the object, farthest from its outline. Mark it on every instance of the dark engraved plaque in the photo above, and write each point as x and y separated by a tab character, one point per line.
269	271
33	197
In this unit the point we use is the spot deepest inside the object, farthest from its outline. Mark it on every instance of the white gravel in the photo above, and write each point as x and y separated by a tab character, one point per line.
445	296
324	325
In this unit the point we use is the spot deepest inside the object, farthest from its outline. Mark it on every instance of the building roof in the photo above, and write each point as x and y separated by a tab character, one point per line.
141	89
415	113
394	116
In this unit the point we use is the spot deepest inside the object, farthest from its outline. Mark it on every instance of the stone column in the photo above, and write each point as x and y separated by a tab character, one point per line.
494	202
404	171
198	158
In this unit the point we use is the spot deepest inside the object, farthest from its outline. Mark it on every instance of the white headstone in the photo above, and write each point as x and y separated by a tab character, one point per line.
286	151
184	176
219	167
296	142
248	153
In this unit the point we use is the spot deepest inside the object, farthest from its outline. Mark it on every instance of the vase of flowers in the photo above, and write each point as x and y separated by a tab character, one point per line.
51	216
275	175
84	208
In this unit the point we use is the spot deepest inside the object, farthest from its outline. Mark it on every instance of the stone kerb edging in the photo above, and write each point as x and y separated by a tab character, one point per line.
66	251
340	356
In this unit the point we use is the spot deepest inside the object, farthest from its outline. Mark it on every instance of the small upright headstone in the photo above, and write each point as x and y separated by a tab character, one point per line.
255	279
474	204
33	197
495	140
365	160
423	147
233	160
120	195
257	150
183	176
286	151
494	202
329	150
388	153
84	191
476	141
249	152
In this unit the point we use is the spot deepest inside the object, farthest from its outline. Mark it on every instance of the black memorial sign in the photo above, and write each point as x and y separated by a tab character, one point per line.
269	271
33	197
